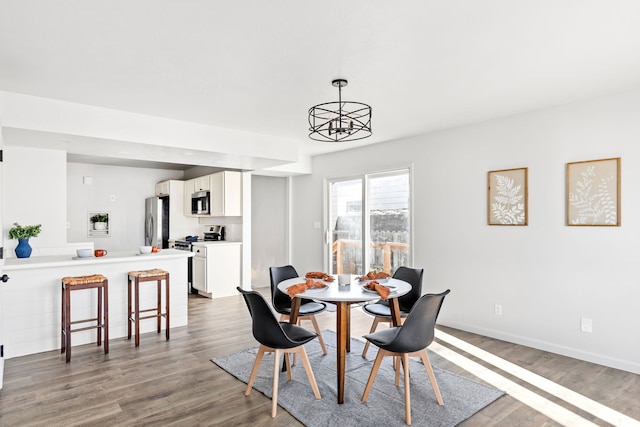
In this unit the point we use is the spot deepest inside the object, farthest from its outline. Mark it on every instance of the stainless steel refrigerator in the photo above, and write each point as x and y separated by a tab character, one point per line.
156	222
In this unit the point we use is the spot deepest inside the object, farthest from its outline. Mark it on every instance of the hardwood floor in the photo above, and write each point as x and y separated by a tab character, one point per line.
175	383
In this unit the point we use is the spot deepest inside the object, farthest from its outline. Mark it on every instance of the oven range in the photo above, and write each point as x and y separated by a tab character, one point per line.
183	245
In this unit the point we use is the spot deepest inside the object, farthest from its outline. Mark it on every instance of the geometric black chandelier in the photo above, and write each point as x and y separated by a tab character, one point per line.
339	121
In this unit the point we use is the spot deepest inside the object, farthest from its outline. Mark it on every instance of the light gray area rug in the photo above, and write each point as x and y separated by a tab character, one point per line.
385	404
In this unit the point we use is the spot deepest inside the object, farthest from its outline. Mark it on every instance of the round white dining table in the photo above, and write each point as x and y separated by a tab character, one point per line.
343	296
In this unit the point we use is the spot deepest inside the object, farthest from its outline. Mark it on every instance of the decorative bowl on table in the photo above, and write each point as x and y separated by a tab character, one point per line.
145	249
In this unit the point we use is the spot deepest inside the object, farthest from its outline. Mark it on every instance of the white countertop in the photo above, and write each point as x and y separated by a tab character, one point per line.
215	242
11	264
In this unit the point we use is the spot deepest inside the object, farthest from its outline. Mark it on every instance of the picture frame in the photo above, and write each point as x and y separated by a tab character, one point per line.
507	197
593	193
98	224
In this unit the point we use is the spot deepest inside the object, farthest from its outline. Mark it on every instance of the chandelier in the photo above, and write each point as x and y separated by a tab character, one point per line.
339	121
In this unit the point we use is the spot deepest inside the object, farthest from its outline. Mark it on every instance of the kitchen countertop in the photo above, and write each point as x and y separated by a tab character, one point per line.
12	264
215	242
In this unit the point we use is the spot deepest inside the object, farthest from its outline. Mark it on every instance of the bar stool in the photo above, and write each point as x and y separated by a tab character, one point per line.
135	278
95	281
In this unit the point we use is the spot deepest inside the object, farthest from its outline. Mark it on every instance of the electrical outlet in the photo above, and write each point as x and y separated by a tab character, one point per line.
498	309
586	325
113	198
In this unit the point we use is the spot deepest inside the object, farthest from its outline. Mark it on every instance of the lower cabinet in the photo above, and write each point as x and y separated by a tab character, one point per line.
217	268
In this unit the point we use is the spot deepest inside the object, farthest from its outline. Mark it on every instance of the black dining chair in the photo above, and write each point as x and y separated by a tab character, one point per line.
410	339
282	302
278	338
380	309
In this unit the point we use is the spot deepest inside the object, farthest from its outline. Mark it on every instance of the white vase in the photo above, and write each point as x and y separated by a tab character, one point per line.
99	225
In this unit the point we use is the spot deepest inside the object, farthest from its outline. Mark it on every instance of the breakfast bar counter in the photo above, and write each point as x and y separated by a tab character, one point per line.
31	299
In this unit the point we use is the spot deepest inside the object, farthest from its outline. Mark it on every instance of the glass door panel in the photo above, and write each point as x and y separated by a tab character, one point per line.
345	225
388	221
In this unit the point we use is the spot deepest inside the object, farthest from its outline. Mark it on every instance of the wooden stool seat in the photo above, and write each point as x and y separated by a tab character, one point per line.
70	283
133	291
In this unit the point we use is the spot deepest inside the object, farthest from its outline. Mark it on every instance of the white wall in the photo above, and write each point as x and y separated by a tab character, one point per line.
129	186
34	192
269	226
546	275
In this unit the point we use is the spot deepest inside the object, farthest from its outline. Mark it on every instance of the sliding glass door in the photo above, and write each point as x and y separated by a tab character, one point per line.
369	223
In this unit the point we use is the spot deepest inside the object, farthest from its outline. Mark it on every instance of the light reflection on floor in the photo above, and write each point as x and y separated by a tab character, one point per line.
530	398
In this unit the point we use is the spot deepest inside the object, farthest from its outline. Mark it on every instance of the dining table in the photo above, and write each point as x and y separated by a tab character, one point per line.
343	296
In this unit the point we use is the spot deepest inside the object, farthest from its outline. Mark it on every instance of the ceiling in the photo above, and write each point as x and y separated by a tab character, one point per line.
257	66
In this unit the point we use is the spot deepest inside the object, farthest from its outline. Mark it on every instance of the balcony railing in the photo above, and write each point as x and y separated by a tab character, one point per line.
387	256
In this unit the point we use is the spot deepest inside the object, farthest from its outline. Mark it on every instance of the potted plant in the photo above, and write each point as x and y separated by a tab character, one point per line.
23	234
100	221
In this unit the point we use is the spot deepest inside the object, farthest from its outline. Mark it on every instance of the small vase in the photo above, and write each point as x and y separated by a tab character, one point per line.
23	250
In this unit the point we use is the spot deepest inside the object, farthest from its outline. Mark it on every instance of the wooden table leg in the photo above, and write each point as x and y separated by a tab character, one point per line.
293	319
295	308
395	312
348	328
342	320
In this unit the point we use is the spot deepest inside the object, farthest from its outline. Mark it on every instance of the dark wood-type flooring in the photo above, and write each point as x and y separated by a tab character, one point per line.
175	383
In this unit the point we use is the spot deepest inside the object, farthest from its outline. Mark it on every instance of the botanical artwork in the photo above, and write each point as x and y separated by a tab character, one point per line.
593	192
507	204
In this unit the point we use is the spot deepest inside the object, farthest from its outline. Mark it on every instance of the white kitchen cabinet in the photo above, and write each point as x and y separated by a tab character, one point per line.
180	225
201	184
217	268
226	193
163	188
188	186
199	277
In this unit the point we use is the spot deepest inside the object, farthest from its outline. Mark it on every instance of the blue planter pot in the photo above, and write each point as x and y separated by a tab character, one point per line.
23	250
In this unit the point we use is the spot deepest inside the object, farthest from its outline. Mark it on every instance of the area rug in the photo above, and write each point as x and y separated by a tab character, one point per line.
385	404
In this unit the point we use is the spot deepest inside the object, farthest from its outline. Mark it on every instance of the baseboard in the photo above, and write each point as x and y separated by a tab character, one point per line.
601	359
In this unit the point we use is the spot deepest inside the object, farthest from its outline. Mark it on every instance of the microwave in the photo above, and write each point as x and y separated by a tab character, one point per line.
200	203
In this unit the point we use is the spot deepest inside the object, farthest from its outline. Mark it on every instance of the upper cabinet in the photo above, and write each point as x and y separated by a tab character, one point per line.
201	184
226	193
163	188
188	191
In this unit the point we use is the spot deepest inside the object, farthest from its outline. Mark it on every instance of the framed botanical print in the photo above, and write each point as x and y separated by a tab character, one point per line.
507	197
593	192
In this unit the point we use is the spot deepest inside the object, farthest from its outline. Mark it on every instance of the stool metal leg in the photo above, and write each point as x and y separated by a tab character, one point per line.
99	319
63	322
137	311
159	305
67	323
129	312
105	314
166	326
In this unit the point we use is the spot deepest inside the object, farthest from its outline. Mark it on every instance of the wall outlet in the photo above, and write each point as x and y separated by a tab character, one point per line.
586	325
498	309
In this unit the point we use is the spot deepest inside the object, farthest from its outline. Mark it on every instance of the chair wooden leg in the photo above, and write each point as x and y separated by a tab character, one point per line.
288	365
307	368
274	394
372	330
427	364
374	372
396	367
254	370
317	329
407	395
